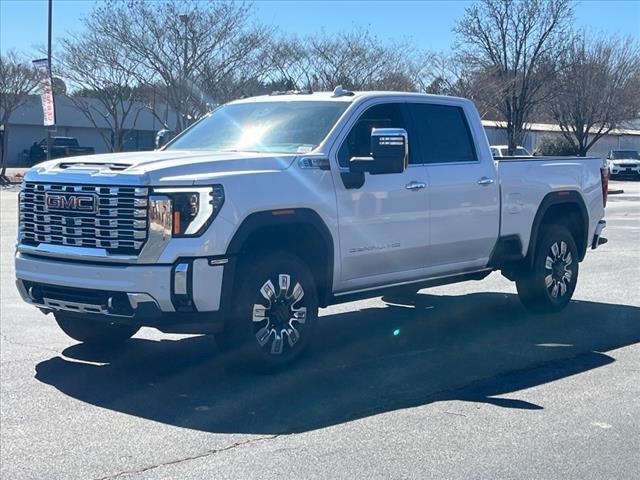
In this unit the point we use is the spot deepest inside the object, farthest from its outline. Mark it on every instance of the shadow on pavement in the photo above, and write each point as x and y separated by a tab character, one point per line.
476	348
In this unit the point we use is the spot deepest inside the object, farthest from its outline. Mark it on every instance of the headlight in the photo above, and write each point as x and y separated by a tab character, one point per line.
185	212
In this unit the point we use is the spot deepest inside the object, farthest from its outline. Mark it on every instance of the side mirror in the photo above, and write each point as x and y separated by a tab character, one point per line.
163	137
389	153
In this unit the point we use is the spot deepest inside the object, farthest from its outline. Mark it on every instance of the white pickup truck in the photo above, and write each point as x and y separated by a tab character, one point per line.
271	207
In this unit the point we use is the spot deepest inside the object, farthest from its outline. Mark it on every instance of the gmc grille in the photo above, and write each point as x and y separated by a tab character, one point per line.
117	223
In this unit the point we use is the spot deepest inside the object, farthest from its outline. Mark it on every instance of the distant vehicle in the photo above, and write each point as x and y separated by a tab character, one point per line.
64	147
623	162
499	151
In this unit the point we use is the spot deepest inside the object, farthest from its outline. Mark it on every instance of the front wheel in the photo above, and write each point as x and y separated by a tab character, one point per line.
549	284
94	332
274	312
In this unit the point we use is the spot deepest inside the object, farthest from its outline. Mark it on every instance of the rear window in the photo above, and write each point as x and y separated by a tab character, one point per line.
443	134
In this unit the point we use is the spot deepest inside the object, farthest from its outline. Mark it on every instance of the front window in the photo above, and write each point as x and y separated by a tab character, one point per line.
265	127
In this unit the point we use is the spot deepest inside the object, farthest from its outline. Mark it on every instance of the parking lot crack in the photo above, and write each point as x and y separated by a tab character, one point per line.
198	456
6	339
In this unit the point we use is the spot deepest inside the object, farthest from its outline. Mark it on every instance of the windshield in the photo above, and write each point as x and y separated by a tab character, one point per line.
622	154
269	127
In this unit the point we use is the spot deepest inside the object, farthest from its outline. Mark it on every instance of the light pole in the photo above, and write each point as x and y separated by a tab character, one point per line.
49	62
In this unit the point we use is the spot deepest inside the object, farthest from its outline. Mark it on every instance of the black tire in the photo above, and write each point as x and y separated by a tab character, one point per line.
549	284
94	332
268	298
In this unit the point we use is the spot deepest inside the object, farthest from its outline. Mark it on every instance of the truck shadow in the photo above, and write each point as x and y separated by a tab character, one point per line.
474	348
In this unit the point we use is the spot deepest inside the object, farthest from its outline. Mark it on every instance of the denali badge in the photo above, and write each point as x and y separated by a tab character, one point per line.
70	202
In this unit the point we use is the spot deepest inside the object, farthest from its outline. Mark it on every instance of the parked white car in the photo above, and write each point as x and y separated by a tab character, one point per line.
623	162
271	207
499	151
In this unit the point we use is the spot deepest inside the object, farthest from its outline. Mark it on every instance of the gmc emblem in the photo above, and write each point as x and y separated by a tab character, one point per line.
70	201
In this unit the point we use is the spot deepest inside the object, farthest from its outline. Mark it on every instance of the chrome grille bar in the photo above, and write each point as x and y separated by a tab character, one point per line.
119	223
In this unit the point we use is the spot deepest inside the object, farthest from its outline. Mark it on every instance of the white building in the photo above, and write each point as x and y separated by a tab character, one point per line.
622	138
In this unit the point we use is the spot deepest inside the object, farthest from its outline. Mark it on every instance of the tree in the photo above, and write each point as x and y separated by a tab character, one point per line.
440	74
515	42
17	80
179	42
596	88
105	74
354	59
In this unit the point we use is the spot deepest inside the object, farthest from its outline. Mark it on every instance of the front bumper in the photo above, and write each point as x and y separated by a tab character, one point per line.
624	169
122	293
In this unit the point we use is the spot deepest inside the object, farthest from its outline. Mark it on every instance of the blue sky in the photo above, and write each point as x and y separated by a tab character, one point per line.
428	24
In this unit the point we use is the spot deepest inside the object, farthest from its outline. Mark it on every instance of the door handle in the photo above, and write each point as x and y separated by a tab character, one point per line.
484	181
415	185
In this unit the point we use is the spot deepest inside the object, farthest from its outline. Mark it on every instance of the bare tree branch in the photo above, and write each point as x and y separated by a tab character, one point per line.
17	80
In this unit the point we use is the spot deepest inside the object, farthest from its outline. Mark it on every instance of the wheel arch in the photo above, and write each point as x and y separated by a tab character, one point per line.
566	208
300	231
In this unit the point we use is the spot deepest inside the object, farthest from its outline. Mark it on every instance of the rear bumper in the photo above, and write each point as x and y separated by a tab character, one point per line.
150	295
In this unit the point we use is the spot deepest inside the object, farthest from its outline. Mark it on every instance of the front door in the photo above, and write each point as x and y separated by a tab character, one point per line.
383	224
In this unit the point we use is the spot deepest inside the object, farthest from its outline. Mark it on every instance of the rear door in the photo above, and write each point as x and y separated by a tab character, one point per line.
462	188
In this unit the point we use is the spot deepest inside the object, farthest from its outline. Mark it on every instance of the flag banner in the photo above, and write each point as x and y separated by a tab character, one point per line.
46	85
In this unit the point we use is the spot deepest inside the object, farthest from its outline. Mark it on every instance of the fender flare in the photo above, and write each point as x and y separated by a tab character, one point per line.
563	197
281	218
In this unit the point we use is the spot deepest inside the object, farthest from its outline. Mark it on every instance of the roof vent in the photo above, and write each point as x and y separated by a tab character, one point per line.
342	92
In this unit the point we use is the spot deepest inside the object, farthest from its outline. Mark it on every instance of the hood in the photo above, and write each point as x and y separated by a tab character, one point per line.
177	166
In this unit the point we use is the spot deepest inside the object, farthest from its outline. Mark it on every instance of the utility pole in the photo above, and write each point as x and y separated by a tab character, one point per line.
49	59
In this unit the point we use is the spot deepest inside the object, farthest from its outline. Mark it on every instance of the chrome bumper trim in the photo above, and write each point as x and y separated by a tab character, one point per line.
180	279
135	299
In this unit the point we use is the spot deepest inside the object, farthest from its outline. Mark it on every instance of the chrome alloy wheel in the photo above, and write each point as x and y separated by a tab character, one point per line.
283	316
558	272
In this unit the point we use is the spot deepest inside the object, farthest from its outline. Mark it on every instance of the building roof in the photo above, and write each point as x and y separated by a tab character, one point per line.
550	127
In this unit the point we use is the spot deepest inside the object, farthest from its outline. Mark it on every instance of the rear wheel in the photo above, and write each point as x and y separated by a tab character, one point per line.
275	308
94	332
549	284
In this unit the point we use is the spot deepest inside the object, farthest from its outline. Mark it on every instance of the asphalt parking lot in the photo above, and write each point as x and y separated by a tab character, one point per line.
469	386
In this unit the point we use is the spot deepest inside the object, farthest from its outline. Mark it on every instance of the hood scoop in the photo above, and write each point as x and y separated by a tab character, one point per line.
113	166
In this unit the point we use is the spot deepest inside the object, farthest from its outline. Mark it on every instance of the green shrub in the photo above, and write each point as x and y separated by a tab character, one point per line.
556	147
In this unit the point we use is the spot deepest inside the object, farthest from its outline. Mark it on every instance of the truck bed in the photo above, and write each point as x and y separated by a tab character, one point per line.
526	181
